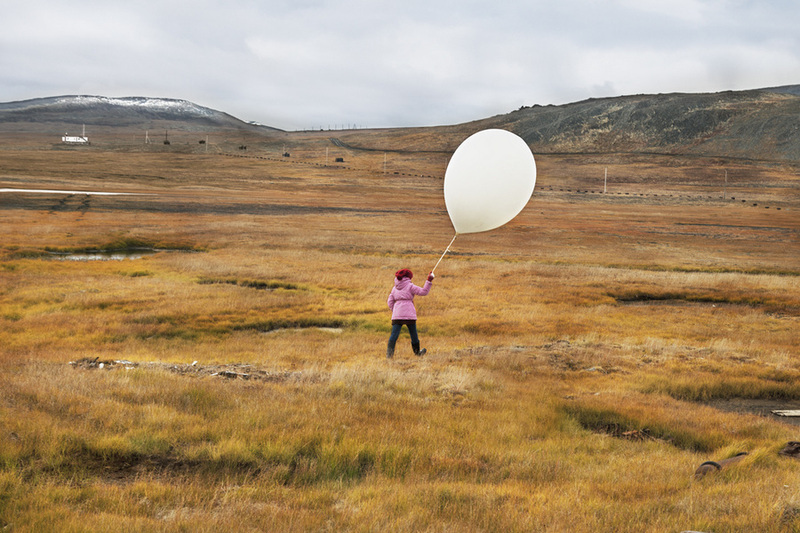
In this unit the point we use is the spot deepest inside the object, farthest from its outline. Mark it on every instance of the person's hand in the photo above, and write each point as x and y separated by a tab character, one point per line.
431	276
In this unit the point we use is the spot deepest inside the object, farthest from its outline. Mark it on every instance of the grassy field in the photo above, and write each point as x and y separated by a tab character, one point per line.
582	361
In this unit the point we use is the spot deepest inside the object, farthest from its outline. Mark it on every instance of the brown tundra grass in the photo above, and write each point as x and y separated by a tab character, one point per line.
583	360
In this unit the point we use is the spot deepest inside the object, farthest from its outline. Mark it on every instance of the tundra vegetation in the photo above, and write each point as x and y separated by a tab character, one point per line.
582	360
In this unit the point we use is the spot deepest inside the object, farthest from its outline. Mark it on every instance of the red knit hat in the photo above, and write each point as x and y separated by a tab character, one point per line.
404	273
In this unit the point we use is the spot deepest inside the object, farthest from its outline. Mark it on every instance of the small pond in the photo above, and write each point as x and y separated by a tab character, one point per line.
105	255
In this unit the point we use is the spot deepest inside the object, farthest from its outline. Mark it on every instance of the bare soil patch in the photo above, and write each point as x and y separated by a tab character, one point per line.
228	371
759	407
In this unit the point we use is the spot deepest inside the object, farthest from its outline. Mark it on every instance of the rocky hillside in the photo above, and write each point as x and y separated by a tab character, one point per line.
760	124
751	124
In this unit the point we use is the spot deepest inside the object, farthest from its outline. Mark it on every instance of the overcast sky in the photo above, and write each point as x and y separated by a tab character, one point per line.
297	64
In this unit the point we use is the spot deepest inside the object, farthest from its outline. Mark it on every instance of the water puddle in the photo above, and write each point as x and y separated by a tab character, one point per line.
103	255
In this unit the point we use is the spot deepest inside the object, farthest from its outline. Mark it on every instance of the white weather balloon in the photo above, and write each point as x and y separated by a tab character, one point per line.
489	180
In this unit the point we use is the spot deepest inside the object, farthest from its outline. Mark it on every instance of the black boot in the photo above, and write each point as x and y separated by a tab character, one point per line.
389	351
417	351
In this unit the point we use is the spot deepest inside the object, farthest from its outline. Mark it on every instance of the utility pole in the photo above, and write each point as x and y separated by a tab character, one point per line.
725	188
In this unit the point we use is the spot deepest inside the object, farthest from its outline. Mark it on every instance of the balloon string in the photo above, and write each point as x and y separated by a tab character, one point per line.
445	252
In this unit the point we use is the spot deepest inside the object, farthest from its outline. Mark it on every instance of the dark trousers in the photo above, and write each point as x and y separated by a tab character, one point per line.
397	325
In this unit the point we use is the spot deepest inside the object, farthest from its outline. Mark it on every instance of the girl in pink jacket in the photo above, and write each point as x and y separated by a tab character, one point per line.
401	302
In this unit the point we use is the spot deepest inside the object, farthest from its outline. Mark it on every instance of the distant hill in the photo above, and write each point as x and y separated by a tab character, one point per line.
126	112
759	124
786	89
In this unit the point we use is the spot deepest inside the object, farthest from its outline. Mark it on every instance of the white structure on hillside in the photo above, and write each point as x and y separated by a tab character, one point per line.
71	139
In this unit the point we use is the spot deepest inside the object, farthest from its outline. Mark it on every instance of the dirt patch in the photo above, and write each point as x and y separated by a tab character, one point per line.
759	407
126	468
228	371
615	430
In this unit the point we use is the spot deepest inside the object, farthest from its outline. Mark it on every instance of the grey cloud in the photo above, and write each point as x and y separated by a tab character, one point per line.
299	64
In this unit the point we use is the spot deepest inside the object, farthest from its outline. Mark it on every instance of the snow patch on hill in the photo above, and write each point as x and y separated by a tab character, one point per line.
155	104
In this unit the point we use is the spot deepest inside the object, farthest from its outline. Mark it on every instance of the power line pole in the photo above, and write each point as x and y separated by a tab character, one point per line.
725	187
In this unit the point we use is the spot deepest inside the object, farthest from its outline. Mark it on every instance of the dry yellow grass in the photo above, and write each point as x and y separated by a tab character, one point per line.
569	352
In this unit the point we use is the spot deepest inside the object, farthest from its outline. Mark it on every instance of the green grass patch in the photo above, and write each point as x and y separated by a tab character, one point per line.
612	422
768	302
23	254
680	268
648	296
707	387
294	323
137	274
708	270
127	244
196	327
252	284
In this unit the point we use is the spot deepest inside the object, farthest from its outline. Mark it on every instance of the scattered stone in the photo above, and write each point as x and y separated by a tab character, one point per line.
792	449
596	369
787	412
637	434
229	371
90	362
231	375
790	514
331	330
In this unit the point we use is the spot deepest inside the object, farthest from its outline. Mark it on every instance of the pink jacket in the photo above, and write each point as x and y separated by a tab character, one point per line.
401	299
